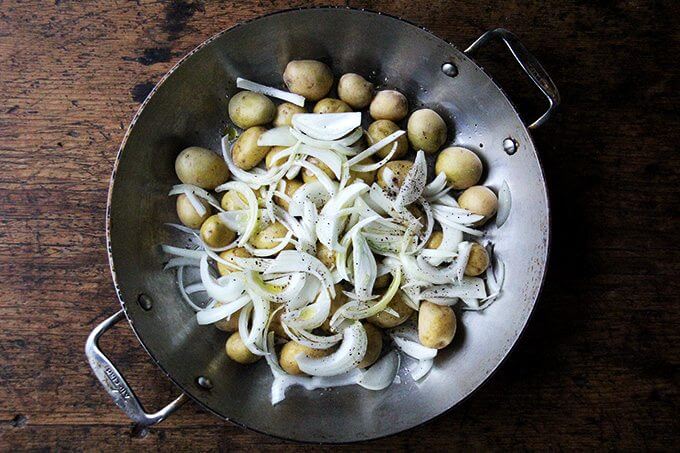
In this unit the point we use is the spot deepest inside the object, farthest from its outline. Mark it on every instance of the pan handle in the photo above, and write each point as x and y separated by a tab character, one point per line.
529	64
114	382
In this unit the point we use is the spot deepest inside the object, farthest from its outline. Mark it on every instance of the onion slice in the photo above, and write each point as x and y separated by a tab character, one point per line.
329	126
382	373
413	349
278	136
294	261
469	287
351	351
504	204
270	91
368	152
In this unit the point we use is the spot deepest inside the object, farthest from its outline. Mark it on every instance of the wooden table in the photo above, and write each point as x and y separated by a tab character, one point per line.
598	366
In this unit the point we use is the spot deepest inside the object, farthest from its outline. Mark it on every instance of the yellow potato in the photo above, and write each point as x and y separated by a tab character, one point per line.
269	158
292	185
479	200
215	233
331	105
309	78
308	176
238	352
478	261
246	153
227	255
248	109
366	176
462	167
436	325
233	200
426	130
228	325
387	320
285	112
435	240
399	169
383	281
381	129
290	353
267	237
356	91
374	347
276	327
201	167
325	255
188	215
389	105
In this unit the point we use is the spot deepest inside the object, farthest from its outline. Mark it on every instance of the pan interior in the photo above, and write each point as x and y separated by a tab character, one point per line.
190	108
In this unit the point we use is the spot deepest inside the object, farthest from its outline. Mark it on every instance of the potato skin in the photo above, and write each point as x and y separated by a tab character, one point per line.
289	353
238	352
331	105
381	129
292	185
374	347
386	320
239	252
309	78
232	200
462	167
228	325
201	167
248	109
269	158
285	112
356	91
246	153
188	215
215	233
436	325
435	240
389	105
325	255
426	130
478	261
265	238
479	200
400	168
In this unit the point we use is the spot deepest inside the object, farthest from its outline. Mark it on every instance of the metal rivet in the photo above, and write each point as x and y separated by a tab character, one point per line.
450	69
145	302
510	146
204	382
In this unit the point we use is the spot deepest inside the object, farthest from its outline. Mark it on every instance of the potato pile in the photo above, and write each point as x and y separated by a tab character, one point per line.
388	110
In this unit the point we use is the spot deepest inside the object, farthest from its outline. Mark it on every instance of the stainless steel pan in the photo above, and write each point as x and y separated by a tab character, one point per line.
189	107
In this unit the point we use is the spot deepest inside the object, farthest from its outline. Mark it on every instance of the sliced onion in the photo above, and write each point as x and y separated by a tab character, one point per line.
271	176
382	373
359	312
311	316
329	126
451	237
414	183
181	262
421	369
339	146
182	228
185	253
190	190
311	340
294	261
312	191
437	185
272	251
329	223
461	216
469	287
183	293
270	91
350	353
368	152
413	349
464	249
219	312
309	292
363	168
328	157
253	210
365	267
232	288
504	204
278	136
320	175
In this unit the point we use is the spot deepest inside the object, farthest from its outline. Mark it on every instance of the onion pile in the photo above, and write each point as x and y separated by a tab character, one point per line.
371	231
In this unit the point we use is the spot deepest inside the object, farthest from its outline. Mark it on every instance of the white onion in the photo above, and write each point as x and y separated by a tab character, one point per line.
190	190
294	261
421	369
413	349
311	316
216	313
504	204
365	267
382	373
232	289
185	253
278	136
368	152
351	351
270	91
468	287
253	210
414	183
329	126
437	185
363	168
312	191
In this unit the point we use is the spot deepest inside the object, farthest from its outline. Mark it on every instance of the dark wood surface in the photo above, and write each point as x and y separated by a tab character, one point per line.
598	366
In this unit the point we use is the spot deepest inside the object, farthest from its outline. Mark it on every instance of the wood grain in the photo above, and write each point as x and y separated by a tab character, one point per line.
598	366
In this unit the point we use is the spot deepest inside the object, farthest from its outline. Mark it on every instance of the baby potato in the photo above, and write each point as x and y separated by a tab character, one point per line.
355	90
331	105
381	129
338	301
309	78
290	352
399	169
386	320
269	158
233	200
248	109
228	325
479	200
366	176
462	167
246	153
215	233
292	185
436	325
478	260
308	176
383	281
435	240
389	105
201	167
227	255
285	112
325	255
266	238
374	347
238	352
426	130
188	215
